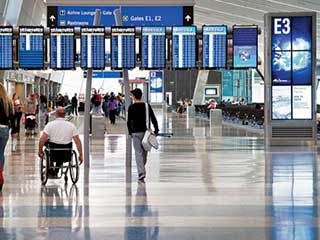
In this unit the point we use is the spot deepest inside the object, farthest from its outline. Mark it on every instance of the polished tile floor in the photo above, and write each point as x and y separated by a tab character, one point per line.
203	183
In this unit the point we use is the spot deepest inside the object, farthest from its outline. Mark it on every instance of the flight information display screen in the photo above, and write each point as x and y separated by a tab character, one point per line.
123	52
31	48
184	52
62	48
214	43
6	57
291	65
153	47
245	46
93	47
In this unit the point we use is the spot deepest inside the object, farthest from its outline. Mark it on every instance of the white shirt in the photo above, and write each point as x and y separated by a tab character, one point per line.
60	131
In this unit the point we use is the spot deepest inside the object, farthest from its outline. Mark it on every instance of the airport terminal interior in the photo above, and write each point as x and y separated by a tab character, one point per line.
233	85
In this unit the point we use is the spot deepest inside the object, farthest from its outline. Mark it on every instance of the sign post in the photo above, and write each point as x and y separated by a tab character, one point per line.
290	87
117	14
86	141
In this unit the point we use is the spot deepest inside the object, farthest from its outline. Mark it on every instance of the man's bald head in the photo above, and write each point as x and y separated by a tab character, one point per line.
60	112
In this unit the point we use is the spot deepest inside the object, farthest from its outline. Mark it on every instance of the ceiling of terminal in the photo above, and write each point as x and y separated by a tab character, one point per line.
231	12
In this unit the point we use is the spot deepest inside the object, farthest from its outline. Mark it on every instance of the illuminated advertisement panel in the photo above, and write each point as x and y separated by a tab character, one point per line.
245	46
291	65
281	102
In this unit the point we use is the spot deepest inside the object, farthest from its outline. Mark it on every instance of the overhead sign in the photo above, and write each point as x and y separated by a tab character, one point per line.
104	74
153	47
291	61
62	48
245	46
138	16
184	51
123	51
6	37
31	48
93	47
214	43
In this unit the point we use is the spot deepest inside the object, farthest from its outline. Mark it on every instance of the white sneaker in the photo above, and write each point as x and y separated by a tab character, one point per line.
14	145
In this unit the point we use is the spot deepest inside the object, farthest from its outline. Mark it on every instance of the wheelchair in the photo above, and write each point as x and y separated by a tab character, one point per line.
56	161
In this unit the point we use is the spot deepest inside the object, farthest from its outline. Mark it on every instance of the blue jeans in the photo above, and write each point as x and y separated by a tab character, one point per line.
4	136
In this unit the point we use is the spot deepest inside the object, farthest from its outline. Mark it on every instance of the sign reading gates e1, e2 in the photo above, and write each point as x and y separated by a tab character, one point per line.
76	16
291	67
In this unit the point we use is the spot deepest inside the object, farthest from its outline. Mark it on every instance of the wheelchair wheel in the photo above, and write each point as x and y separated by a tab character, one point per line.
44	168
74	168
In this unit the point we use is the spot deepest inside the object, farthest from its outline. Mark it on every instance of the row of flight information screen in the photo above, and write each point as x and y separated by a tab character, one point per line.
123	50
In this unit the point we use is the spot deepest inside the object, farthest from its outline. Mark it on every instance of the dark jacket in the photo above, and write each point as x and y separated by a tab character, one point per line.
137	118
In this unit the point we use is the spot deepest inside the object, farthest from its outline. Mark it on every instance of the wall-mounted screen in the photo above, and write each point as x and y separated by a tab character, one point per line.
291	58
123	50
62	48
214	46
245	46
211	91
6	56
93	47
184	42
153	47
31	48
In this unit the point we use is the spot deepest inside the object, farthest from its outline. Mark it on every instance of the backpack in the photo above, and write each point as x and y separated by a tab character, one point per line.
98	99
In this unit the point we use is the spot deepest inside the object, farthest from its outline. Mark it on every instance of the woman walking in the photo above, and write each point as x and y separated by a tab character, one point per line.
113	107
15	132
6	119
137	127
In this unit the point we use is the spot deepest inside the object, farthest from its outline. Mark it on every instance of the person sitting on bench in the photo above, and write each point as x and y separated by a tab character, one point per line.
60	133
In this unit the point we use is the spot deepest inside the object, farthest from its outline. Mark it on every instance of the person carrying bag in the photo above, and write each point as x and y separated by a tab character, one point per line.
139	115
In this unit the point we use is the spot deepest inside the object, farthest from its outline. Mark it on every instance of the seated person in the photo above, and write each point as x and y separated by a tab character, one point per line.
60	134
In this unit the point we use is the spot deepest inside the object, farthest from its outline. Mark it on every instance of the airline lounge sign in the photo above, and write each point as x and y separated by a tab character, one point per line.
76	16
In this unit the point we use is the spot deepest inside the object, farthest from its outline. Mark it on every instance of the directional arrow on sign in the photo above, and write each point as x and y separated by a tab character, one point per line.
52	18
188	18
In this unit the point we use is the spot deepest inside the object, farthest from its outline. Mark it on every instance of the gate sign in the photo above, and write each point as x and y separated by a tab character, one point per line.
156	82
138	16
291	67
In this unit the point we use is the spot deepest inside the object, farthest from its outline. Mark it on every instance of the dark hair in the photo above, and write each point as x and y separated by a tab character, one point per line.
137	93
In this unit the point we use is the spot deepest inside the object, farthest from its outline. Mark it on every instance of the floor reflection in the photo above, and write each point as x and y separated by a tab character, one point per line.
141	209
293	207
59	202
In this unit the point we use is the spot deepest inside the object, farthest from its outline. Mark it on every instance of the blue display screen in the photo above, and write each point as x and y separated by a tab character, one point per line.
291	66
92	48
184	52
31	53
214	43
245	46
62	48
153	47
123	52
6	58
291	51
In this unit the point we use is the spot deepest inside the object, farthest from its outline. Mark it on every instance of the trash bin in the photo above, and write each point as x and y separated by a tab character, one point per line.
215	117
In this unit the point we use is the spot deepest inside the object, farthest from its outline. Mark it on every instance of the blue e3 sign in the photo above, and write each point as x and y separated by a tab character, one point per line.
282	26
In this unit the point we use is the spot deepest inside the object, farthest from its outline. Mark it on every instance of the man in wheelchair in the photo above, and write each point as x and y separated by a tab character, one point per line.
58	134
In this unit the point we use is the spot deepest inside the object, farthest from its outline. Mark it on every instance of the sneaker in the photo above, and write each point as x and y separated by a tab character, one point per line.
142	176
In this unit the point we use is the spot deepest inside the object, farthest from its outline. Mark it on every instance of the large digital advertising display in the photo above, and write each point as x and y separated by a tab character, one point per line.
291	65
245	46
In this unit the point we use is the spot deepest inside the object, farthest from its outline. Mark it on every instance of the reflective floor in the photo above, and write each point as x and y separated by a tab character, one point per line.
202	183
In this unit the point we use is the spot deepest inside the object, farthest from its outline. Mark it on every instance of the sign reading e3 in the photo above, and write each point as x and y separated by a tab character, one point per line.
281	26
